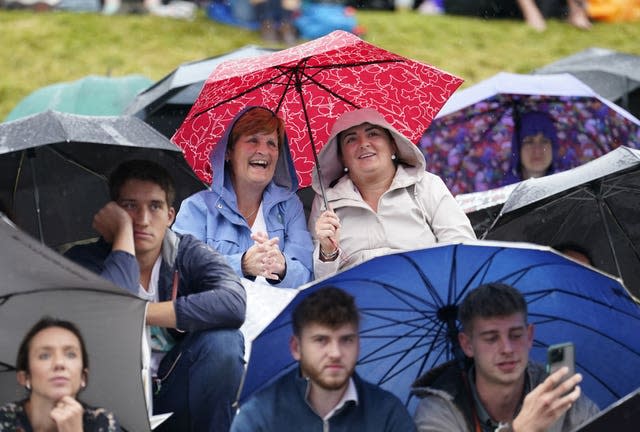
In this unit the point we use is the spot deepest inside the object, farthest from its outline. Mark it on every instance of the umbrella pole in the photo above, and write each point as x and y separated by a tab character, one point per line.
313	150
31	154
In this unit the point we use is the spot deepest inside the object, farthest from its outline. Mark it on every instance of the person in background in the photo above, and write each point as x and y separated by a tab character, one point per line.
499	389
196	303
53	366
276	20
381	199
532	11
251	214
324	392
534	148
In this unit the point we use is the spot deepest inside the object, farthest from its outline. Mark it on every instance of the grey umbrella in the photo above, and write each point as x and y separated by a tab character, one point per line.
37	281
612	74
594	206
54	167
166	103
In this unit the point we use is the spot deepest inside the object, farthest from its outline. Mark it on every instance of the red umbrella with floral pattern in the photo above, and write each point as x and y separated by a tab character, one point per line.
309	86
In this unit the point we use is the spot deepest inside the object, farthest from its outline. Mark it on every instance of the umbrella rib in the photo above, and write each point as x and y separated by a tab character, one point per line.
6	297
593	330
239	95
6	367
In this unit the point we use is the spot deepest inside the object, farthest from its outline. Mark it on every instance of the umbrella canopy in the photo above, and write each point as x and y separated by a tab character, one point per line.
54	169
165	104
594	206
91	95
612	74
37	282
469	143
309	86
408	303
483	207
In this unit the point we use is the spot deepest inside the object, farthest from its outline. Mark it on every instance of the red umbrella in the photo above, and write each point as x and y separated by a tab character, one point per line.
309	86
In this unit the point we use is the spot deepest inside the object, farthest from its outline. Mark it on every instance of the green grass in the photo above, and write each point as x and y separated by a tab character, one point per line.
43	48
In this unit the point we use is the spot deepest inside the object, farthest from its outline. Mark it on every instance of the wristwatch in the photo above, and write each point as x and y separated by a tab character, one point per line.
504	427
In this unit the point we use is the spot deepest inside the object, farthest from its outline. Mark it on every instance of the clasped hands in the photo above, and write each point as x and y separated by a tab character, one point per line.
264	258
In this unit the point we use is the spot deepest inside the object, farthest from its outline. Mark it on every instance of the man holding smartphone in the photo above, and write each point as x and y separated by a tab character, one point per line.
499	389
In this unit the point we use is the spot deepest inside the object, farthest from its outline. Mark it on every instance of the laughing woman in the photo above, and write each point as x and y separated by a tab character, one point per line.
53	366
251	214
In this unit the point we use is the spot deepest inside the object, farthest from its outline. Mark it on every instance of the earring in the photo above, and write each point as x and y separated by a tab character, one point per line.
83	384
28	385
393	157
346	169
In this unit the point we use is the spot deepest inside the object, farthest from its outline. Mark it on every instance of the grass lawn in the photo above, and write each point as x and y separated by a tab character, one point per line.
43	48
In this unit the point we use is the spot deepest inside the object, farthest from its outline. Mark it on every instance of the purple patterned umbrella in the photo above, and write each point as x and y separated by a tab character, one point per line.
469	142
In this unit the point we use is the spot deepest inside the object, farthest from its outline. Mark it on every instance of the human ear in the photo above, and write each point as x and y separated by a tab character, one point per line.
465	344
23	378
294	347
172	215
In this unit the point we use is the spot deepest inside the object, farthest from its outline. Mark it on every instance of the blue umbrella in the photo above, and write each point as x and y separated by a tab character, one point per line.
408	303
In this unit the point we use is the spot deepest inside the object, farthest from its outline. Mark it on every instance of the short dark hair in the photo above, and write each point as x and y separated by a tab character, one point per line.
491	300
328	306
22	359
143	170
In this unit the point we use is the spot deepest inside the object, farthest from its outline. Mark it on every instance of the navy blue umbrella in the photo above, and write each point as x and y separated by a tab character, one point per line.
408	302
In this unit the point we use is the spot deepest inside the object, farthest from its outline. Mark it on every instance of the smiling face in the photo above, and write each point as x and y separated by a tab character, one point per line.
366	150
499	347
55	365
535	155
327	355
146	203
253	158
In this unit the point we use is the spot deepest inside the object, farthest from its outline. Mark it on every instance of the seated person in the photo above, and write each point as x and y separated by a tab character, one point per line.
51	348
532	11
381	198
196	301
252	214
500	390
534	148
323	392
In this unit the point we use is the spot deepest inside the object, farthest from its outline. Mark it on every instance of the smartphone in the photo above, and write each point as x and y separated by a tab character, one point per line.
563	354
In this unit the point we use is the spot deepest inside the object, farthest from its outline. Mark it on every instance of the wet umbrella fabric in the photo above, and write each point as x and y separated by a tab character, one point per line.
406	300
36	282
91	95
594	206
54	169
612	74
469	143
165	104
309	86
483	207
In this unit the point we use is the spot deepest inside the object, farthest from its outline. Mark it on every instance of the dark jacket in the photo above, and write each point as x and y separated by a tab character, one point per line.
209	293
282	407
447	405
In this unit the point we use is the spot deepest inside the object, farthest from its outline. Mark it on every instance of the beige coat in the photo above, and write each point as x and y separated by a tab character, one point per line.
415	212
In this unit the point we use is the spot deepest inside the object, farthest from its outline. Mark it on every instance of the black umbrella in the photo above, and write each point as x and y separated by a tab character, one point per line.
166	103
54	167
612	74
594	206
